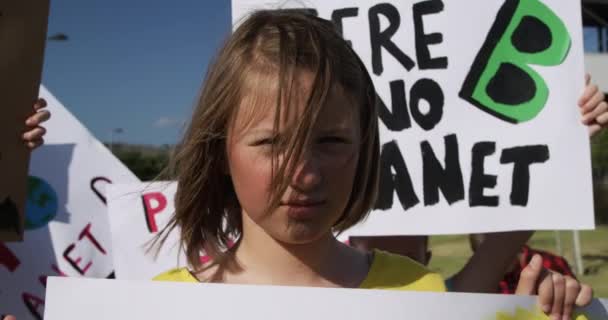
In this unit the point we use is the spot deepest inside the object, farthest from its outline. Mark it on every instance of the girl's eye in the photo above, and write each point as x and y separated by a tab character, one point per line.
333	139
265	141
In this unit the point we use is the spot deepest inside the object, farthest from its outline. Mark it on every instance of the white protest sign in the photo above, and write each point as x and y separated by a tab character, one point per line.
479	122
137	213
75	299
67	231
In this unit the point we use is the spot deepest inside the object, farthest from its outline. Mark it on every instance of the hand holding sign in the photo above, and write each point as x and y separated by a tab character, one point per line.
557	294
33	137
594	107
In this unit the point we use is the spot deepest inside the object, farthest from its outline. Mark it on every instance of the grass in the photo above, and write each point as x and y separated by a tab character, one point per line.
450	253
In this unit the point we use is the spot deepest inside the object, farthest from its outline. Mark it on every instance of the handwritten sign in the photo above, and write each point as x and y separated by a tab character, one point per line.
116	299
20	72
479	124
66	223
137	213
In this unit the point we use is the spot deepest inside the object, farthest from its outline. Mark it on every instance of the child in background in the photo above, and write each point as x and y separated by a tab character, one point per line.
282	152
510	279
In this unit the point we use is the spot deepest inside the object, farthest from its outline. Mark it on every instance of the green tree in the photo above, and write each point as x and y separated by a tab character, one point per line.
144	161
599	156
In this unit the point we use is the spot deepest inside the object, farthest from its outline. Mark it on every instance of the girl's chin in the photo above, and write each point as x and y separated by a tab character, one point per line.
303	235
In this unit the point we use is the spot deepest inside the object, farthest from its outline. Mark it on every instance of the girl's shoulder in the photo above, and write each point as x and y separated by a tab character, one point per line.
176	275
396	272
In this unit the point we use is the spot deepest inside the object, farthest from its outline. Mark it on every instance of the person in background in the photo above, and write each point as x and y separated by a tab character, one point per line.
509	282
491	268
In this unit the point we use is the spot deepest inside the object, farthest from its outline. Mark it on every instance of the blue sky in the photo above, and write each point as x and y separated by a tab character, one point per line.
136	64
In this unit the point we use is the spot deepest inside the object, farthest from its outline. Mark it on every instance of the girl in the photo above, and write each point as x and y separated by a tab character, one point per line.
281	153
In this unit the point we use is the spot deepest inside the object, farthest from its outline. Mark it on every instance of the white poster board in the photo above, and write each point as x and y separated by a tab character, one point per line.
138	212
67	231
75	299
476	135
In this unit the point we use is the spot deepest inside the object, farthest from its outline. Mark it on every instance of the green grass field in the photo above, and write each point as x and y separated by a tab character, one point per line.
451	252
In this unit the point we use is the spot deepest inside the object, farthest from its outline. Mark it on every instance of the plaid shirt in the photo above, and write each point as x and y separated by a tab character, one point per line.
550	261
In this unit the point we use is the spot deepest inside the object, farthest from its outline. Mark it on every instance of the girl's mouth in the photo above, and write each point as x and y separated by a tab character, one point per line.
303	209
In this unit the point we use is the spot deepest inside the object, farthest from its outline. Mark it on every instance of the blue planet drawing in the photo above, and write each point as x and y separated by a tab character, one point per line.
41	204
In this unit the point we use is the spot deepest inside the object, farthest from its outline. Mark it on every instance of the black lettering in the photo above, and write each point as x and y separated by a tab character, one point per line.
511	85
430	91
401	182
399	119
97	190
338	15
448	180
480	180
424	40
522	158
382	39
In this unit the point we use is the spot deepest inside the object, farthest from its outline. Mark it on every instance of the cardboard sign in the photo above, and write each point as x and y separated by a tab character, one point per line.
22	36
66	224
479	122
75	299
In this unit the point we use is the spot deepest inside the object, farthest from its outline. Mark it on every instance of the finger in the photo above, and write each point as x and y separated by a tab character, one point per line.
573	288
546	293
584	296
38	118
39	104
9	317
587	79
599	109
34	134
589	92
593	102
602	119
35	144
559	295
529	276
594	128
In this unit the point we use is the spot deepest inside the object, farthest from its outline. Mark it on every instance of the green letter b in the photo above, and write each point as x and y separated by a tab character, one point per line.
501	81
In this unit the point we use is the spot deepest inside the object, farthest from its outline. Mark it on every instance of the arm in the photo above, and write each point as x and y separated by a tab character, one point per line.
490	262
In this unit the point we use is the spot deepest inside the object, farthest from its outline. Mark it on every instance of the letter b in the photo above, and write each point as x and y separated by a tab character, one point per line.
501	81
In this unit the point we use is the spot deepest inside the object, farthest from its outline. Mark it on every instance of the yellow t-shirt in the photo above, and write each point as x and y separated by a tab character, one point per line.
388	271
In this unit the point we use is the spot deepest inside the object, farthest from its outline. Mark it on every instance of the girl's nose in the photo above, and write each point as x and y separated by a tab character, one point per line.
307	175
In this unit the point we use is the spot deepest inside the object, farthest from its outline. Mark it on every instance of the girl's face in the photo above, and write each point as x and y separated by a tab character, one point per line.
323	179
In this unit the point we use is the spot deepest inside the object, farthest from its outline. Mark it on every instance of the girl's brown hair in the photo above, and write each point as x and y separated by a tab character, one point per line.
275	44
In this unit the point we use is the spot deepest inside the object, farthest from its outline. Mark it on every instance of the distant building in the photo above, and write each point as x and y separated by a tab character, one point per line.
595	21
